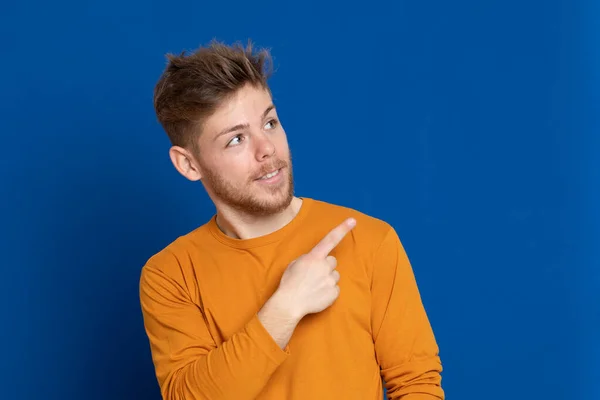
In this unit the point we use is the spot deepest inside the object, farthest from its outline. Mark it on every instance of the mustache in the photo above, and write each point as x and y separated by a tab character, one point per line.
270	168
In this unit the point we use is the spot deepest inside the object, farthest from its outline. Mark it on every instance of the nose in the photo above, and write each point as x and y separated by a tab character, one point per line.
265	148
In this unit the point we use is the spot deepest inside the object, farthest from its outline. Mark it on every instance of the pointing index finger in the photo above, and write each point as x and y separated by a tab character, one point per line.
333	238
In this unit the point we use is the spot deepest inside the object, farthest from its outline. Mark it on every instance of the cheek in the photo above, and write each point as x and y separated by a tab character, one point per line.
282	145
237	169
227	165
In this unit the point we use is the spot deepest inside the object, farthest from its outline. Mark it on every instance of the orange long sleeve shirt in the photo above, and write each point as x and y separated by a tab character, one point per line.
201	294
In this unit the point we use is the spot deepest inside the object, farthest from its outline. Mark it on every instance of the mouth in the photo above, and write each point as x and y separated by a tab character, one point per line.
270	176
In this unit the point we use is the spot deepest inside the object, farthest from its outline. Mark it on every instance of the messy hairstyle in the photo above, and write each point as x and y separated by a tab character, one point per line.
193	86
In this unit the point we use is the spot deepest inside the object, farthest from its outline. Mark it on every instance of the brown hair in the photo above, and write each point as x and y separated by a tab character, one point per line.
193	86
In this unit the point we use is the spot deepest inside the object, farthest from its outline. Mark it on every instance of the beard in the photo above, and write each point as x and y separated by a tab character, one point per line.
252	198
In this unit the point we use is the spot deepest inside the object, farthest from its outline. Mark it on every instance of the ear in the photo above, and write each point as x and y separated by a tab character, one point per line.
184	163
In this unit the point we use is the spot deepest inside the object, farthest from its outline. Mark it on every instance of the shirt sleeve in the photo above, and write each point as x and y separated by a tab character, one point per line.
188	363
405	345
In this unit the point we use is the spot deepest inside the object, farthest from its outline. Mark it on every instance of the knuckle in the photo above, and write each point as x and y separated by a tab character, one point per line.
331	237
303	259
337	235
331	241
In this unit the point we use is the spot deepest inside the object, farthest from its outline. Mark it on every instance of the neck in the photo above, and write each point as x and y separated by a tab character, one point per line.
243	226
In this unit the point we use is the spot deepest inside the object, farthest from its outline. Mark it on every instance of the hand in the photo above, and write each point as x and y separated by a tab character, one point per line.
310	283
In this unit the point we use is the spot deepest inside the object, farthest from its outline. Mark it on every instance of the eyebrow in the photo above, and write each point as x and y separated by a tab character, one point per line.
243	126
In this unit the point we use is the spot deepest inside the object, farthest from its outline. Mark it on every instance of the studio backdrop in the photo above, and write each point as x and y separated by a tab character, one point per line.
469	126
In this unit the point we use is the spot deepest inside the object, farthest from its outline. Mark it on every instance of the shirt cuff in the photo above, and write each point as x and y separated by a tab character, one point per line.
257	331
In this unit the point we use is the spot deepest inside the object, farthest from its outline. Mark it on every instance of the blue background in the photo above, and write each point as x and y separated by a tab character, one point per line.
470	126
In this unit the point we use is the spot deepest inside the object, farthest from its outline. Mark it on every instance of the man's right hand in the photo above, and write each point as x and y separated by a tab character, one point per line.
310	283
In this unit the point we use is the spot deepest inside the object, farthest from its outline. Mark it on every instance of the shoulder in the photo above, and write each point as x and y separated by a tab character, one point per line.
368	229
174	259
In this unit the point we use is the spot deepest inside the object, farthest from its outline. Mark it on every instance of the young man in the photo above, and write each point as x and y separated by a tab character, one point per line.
276	297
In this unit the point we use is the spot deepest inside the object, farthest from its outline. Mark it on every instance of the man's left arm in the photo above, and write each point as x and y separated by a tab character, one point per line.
405	346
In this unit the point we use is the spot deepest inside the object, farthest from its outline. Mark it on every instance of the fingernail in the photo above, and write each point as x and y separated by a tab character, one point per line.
351	222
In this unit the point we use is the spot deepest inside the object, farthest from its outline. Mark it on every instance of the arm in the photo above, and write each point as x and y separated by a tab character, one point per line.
405	345
188	363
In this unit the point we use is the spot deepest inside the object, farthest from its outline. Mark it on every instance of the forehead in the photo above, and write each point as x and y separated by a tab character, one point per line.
245	106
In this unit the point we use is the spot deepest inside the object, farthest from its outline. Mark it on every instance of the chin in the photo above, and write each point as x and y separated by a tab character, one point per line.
271	203
274	202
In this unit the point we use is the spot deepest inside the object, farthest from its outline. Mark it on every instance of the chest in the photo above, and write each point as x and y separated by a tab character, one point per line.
234	287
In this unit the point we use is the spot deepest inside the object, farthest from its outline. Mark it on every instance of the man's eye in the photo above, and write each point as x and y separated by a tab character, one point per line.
236	140
271	124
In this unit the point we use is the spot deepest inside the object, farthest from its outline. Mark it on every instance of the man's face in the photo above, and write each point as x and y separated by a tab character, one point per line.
240	144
